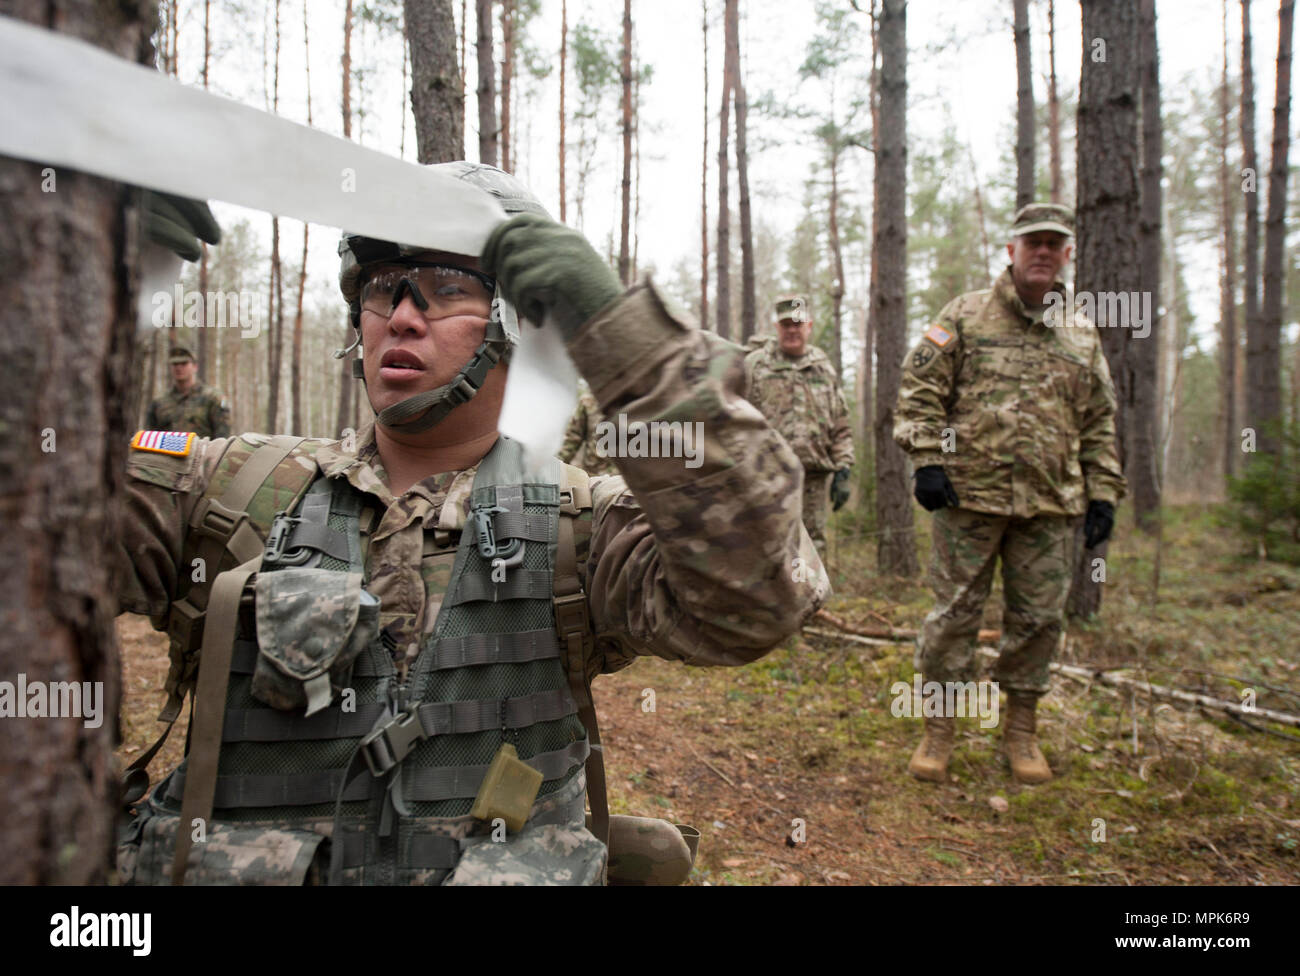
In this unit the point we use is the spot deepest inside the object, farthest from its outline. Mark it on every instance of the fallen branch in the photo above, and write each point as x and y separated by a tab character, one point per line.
1169	694
888	634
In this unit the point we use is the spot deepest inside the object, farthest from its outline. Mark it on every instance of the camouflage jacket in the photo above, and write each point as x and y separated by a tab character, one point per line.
803	400
202	410
690	564
582	438
1019	414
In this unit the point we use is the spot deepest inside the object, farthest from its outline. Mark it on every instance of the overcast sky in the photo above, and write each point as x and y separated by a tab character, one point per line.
961	70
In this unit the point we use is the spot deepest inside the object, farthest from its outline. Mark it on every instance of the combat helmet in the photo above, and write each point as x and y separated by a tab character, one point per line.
357	252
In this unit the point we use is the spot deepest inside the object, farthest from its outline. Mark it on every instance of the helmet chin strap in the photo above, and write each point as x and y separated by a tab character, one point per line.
424	410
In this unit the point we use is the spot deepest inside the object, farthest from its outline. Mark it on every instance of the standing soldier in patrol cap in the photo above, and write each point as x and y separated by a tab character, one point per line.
189	405
391	668
1008	413
793	384
582	437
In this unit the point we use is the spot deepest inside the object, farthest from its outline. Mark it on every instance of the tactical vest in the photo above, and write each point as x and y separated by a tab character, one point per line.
319	736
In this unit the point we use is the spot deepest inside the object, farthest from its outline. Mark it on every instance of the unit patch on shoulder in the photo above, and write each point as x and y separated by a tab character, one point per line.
938	335
175	442
921	358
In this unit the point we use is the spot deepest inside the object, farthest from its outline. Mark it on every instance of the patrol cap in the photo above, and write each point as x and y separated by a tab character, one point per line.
1043	216
794	307
180	354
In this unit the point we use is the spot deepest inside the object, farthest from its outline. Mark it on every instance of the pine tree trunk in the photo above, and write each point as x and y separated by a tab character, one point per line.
1108	212
624	257
837	256
704	180
344	416
1025	128
564	63
1228	283
748	312
1141	354
1264	358
724	214
61	479
487	107
206	366
1053	105
437	95
1250	184
896	549
507	76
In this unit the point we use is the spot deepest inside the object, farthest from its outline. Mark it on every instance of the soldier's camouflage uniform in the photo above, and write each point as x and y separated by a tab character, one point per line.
1027	411
803	400
695	567
582	438
202	410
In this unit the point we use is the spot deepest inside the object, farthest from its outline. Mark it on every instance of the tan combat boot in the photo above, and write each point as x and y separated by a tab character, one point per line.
1028	764
930	760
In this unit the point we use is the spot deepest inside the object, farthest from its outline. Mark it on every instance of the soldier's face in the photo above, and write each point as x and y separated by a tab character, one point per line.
183	373
793	336
1037	259
406	353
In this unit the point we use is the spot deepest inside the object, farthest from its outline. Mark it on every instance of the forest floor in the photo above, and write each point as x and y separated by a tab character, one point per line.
795	769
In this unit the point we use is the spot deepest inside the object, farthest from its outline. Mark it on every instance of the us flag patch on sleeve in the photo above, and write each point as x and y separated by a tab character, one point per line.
938	335
177	442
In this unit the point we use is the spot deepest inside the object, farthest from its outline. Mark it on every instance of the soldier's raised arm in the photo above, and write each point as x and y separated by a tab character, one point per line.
706	559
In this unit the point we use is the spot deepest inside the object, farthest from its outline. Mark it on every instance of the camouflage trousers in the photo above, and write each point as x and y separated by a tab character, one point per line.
816	492
1036	561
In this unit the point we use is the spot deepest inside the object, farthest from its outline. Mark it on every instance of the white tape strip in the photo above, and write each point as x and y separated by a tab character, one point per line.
67	103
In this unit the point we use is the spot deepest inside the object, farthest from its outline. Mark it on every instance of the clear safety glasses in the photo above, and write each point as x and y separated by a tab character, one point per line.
438	290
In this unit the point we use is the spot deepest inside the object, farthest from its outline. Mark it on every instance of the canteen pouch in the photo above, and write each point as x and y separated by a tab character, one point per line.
648	851
311	625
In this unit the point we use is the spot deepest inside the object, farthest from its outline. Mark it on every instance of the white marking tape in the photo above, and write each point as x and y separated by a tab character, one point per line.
68	103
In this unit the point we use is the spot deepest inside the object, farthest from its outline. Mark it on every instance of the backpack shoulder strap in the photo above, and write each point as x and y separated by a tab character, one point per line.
573	623
221	524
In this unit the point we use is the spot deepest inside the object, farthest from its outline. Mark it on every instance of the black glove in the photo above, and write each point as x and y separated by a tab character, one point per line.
933	489
543	266
177	223
1098	523
839	489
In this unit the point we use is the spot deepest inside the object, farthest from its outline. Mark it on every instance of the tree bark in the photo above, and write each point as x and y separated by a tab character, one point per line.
62	465
1053	105
1263	358
896	548
724	214
1108	211
1025	128
1250	180
206	366
437	94
564	64
507	76
837	257
1228	283
704	180
295	365
1142	435
274	351
345	415
624	257
487	106
748	311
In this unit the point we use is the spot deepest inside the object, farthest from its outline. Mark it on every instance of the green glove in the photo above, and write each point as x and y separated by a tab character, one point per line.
839	489
544	267
178	222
